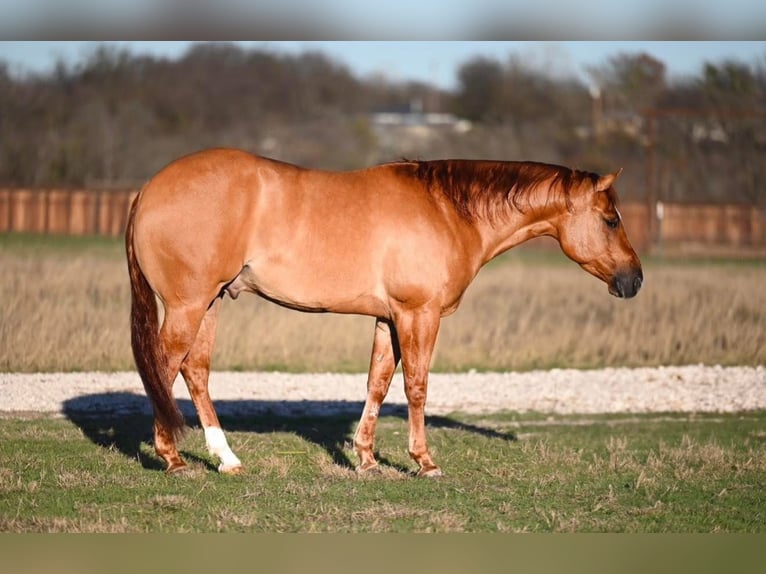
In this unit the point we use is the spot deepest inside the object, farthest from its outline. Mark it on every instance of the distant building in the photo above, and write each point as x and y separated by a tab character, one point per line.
403	129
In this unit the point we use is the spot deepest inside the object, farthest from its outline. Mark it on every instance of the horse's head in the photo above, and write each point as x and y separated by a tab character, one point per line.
591	233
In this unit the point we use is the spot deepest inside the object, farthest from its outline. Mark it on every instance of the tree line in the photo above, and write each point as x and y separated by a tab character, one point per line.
115	118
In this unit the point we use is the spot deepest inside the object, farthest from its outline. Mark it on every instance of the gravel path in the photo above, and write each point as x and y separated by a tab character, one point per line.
687	389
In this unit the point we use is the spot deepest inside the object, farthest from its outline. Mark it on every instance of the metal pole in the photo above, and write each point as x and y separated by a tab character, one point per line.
651	182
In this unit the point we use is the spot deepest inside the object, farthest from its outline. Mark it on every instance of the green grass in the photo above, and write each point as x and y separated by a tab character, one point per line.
33	244
505	472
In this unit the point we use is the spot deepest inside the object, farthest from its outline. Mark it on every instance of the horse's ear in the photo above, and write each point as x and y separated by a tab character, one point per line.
606	181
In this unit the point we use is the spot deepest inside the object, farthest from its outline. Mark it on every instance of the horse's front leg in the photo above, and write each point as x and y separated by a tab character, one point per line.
196	372
417	332
383	362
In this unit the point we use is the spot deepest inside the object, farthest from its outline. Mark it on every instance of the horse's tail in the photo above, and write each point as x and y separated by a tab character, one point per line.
145	340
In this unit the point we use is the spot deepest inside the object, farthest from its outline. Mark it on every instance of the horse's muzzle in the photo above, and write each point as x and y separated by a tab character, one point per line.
627	283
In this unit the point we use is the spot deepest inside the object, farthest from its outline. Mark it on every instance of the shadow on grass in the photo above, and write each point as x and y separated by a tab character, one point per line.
122	421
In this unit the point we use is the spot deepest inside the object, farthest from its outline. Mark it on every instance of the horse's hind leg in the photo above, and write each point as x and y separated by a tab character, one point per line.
178	332
196	372
385	357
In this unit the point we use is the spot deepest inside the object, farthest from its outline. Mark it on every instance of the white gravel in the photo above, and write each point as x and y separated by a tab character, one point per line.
693	388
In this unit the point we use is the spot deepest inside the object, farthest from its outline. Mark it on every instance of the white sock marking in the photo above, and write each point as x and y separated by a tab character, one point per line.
218	446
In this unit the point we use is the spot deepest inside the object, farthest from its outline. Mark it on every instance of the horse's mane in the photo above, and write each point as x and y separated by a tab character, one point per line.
489	188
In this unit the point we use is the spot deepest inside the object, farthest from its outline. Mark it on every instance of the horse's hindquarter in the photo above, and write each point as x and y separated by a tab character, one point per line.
191	221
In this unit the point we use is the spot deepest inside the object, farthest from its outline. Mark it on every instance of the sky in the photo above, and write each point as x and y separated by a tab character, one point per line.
404	19
428	61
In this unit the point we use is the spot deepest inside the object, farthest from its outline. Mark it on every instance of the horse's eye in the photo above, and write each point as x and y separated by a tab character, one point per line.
613	223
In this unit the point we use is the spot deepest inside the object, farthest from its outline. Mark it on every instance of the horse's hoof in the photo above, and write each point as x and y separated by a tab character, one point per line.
230	469
368	469
177	468
434	472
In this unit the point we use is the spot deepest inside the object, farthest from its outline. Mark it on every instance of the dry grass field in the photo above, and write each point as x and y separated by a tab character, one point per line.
65	305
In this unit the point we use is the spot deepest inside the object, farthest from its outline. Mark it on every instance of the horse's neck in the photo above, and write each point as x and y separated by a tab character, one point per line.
515	227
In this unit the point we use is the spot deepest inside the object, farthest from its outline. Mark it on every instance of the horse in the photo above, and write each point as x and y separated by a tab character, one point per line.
399	242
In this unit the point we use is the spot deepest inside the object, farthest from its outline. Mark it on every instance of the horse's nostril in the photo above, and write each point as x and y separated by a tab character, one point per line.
627	284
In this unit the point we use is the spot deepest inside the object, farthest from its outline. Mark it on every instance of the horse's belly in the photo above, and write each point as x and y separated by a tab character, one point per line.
310	286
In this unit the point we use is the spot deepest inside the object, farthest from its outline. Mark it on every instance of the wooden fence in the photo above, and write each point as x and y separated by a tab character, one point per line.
94	212
70	212
732	226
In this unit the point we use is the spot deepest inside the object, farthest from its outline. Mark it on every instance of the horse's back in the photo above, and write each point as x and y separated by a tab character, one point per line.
214	175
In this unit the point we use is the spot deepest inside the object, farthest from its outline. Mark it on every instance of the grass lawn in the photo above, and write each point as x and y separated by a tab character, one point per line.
504	473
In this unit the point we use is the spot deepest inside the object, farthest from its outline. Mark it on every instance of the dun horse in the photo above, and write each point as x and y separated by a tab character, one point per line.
399	242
